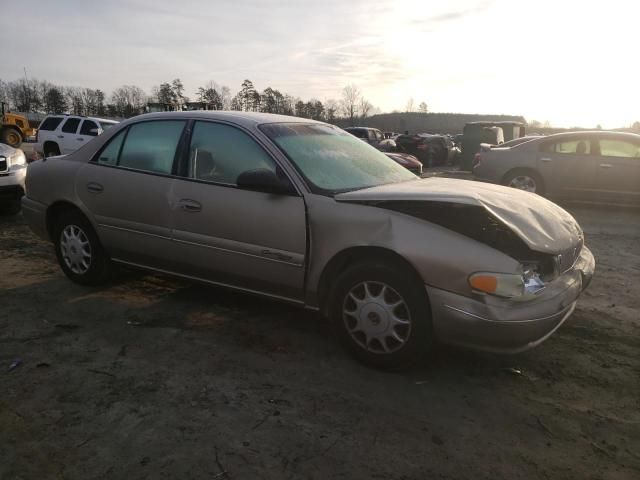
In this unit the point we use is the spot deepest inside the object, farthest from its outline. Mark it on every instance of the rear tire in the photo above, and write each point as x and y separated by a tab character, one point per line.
51	150
527	180
11	137
79	251
372	329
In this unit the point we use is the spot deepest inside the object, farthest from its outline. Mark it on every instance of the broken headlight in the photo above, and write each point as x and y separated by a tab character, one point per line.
509	285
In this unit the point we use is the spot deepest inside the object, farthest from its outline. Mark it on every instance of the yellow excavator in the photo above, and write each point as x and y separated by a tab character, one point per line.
14	128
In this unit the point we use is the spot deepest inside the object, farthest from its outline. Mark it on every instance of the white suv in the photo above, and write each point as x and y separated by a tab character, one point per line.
13	170
63	134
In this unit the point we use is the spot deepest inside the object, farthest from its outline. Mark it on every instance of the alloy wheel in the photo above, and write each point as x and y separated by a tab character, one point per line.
377	317
523	182
75	249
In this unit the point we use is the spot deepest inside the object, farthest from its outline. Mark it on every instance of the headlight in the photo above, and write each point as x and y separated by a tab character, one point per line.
17	158
508	285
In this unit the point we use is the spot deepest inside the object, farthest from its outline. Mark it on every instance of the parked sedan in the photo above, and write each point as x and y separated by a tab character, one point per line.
596	166
303	212
409	162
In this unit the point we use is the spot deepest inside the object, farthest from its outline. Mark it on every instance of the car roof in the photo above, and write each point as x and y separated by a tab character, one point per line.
601	133
64	115
245	119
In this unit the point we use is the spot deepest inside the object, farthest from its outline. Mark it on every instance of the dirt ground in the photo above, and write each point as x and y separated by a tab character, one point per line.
158	378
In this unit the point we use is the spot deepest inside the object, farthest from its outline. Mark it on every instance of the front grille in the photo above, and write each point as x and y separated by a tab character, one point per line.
4	164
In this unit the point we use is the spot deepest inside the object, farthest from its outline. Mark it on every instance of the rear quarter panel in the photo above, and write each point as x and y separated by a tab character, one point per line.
497	162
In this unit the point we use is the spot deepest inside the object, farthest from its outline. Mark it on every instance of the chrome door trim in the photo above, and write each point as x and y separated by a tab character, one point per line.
204	280
266	254
137	232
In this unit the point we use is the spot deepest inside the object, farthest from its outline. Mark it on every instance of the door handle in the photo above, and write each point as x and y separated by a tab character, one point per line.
546	159
94	187
60	136
189	205
80	139
606	165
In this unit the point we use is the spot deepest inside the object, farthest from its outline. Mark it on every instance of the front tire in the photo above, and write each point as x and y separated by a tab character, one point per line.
79	251
381	314
11	137
12	208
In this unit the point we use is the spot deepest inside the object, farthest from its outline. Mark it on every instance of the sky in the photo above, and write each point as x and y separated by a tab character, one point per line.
569	62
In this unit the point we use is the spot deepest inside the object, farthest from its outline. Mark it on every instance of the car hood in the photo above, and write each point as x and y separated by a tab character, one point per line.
541	224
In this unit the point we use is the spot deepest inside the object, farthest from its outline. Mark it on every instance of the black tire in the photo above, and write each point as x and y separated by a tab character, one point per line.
11	136
534	176
98	269
51	150
417	336
10	209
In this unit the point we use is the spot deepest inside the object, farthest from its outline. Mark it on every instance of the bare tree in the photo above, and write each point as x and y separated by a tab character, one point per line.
365	108
350	101
410	105
128	100
331	109
422	108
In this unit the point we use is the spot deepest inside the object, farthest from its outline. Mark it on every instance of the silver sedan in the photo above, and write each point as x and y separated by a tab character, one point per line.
303	212
599	167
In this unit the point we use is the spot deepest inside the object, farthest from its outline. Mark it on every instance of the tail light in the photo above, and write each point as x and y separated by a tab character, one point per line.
476	159
422	146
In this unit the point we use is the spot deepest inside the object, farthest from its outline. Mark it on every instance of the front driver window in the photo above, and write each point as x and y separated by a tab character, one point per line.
220	153
619	148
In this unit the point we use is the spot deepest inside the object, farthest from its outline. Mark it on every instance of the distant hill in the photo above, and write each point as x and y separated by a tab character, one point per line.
416	122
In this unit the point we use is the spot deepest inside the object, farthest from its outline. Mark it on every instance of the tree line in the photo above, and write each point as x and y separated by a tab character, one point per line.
41	96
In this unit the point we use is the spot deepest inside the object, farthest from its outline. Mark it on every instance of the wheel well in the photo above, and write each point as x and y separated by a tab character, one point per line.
57	209
50	143
351	256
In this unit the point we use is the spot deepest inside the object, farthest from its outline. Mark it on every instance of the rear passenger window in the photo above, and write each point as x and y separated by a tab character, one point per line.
109	156
50	123
575	147
71	125
219	153
87	126
151	146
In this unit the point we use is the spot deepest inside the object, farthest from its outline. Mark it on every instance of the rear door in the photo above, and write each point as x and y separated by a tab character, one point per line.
231	236
67	135
618	169
127	188
567	166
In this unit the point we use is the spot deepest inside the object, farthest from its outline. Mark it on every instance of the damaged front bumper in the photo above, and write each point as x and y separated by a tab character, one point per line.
506	326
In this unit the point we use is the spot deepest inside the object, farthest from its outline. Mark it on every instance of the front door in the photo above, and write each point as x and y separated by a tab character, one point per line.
567	167
236	237
127	189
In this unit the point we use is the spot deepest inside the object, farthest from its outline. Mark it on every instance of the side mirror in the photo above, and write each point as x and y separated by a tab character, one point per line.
94	131
264	180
